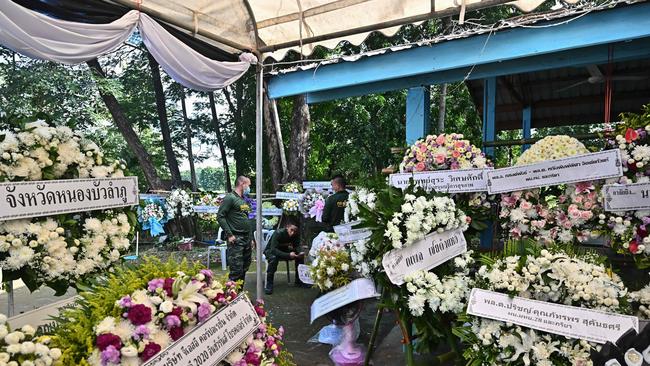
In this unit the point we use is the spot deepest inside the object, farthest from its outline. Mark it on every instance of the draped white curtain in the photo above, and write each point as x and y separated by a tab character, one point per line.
39	36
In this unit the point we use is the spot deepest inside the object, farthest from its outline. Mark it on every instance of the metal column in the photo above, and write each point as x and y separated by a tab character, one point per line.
418	103
259	168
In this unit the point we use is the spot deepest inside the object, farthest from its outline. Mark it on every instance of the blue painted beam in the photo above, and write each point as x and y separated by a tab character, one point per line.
489	113
418	104
526	120
624	51
614	25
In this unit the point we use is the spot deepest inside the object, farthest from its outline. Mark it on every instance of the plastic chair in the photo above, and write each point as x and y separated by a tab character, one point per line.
221	247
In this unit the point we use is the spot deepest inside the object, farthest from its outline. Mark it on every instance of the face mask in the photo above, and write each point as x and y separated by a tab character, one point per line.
247	191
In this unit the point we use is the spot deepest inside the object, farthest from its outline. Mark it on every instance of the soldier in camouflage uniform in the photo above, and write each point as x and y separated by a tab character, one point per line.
233	219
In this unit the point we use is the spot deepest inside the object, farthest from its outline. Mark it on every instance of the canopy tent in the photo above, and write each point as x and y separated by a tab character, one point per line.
273	28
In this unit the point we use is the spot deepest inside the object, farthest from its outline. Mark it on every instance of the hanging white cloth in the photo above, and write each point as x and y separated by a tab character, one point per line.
39	36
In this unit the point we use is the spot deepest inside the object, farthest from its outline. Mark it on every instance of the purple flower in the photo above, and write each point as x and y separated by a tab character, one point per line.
110	355
208	274
125	302
172	321
141	332
156	284
204	311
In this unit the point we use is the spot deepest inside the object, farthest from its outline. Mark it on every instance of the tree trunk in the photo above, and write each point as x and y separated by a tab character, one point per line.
235	110
164	124
442	106
188	133
300	125
222	148
126	129
273	145
278	132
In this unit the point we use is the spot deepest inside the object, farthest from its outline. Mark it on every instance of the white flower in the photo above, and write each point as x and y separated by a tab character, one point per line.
167	307
129	351
105	326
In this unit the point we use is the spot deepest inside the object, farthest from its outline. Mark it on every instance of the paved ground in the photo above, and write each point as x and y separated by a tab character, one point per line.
288	306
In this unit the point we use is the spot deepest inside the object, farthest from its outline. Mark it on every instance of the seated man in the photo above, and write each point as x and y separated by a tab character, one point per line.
284	244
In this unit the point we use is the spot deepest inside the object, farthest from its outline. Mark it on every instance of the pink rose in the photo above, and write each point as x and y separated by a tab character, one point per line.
420	167
578	199
440	139
423	148
588	205
439	158
567	224
586	215
455	154
526	205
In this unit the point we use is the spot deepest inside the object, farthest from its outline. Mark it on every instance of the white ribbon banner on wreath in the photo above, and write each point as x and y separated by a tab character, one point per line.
305	274
206	209
213	340
579	168
627	197
345	228
19	200
270	212
424	254
153	196
288	196
569	321
447	181
359	289
354	235
41	318
317	185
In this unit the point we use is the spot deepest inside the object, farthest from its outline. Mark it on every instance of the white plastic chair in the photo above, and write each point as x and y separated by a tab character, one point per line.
221	247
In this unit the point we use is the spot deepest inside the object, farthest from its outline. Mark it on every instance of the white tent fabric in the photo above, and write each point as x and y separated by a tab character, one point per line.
39	36
257	24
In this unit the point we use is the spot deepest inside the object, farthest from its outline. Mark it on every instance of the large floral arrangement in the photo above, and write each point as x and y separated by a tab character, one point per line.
451	152
23	347
552	214
135	313
420	215
331	267
398	219
209	199
442	152
179	203
628	230
62	250
447	294
291	207
153	214
550	275
313	204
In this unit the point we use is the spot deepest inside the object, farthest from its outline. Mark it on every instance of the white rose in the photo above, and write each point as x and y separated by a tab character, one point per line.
167	307
4	357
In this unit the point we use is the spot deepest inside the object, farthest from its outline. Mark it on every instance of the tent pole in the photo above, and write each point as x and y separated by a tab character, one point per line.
259	179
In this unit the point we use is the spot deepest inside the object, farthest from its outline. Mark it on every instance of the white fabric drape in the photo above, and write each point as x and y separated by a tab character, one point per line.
39	36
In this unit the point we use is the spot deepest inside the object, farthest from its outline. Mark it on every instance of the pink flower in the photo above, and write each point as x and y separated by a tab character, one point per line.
508	200
172	321
588	205
455	154
420	167
204	311
584	187
562	198
586	215
525	205
567	224
423	148
578	199
440	139
439	158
